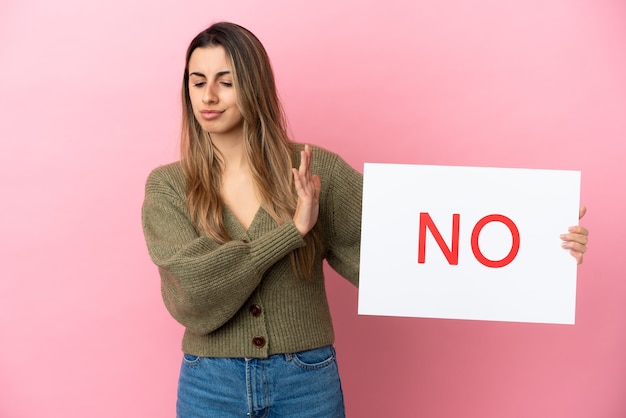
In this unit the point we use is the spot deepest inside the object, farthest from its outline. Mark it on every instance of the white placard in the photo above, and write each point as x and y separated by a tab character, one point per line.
505	267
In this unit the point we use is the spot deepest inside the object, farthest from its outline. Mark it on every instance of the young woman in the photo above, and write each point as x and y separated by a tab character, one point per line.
239	228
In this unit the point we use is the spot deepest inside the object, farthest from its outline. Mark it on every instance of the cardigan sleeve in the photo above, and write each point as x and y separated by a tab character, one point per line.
204	283
342	206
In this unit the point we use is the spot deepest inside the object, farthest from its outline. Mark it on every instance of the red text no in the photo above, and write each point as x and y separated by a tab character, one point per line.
452	253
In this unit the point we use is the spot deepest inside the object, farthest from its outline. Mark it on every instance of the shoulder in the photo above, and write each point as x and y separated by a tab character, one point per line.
169	177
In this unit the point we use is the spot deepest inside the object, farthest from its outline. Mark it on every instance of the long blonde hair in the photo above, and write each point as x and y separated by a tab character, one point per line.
267	146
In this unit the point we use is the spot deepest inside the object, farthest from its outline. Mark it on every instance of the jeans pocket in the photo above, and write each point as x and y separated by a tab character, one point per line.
191	360
317	358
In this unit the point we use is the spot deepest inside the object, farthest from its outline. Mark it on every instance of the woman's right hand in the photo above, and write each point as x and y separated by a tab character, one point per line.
308	189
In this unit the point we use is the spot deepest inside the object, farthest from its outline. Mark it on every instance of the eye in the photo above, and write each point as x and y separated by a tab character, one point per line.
199	84
226	83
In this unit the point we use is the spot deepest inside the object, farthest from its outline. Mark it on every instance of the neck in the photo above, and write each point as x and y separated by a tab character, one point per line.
232	152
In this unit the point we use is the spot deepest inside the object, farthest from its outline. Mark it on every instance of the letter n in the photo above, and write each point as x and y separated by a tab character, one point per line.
452	255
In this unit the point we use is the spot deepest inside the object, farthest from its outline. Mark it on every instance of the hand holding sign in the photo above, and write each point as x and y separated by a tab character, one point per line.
576	239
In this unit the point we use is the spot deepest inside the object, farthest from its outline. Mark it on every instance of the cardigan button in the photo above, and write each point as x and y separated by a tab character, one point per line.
258	341
255	310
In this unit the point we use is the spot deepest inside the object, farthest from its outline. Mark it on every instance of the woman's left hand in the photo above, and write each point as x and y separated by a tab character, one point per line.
576	239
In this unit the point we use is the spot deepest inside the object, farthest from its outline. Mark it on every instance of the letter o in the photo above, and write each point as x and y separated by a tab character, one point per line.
514	246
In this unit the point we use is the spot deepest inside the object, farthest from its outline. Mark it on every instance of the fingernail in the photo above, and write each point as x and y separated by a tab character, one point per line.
562	236
571	228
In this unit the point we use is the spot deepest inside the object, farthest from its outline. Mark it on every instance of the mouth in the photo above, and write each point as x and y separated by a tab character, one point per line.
211	114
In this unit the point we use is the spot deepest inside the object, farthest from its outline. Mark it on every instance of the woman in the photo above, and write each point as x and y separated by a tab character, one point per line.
239	229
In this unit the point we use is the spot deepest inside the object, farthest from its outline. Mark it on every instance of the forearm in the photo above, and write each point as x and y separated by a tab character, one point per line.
203	287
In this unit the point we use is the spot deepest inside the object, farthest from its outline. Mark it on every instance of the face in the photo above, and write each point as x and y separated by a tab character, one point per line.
212	93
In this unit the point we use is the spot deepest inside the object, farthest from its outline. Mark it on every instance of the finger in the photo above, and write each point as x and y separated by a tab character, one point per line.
303	163
580	238
577	255
305	166
317	184
574	246
582	211
577	229
307	153
296	179
575	233
305	189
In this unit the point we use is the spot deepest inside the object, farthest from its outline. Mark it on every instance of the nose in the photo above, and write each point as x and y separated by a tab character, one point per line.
209	95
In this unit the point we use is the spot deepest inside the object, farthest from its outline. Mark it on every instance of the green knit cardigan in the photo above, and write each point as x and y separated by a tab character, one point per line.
241	299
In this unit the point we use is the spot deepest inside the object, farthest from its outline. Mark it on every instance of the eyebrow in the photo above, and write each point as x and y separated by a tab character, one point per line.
217	75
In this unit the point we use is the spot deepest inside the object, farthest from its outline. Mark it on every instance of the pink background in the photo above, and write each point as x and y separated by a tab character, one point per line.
89	99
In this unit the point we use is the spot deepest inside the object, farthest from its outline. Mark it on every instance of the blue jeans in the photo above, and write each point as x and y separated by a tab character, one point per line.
302	385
